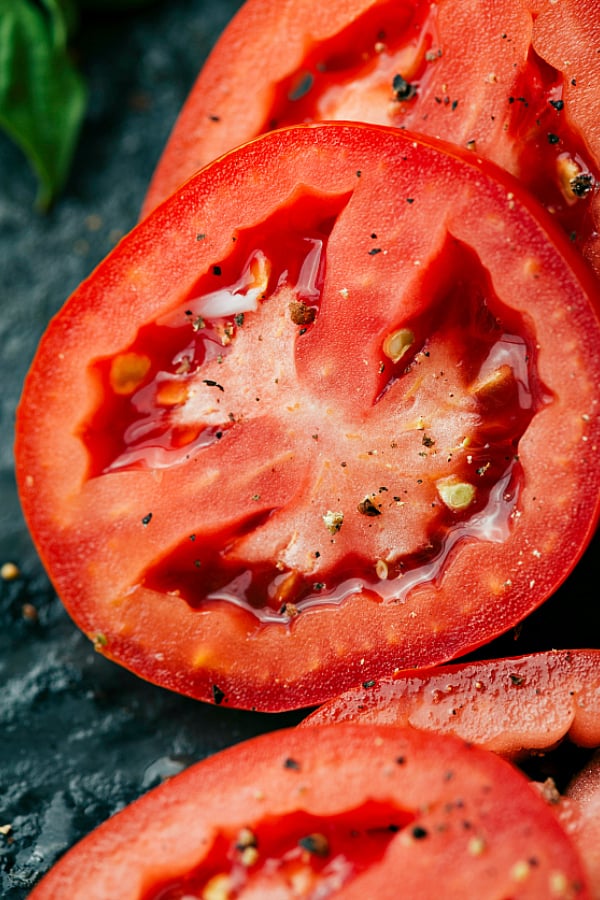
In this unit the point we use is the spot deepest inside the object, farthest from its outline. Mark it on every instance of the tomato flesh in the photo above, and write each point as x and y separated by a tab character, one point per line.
515	706
492	351
488	80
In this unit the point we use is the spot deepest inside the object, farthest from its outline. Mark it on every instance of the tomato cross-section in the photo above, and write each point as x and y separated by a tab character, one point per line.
330	411
340	811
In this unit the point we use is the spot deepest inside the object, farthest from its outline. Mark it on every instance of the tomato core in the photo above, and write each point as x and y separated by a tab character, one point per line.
165	400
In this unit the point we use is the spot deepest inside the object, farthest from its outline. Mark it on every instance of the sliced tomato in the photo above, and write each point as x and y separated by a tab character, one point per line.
579	814
515	81
340	811
525	704
330	411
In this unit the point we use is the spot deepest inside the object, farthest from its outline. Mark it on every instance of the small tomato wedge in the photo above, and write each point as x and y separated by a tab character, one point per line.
339	811
515	81
511	706
330	411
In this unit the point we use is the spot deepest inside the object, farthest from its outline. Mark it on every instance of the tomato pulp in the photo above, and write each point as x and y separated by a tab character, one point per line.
330	411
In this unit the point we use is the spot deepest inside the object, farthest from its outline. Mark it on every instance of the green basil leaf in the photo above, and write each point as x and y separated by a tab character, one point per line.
42	95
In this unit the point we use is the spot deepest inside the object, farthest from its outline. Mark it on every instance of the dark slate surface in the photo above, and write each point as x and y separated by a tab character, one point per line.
80	737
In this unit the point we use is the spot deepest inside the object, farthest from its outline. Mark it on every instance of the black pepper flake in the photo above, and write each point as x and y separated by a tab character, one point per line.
201	236
367	508
301	313
401	760
217	270
210	383
214	118
403	89
369	684
192	537
516	679
553	138
557	104
290	763
410	199
316	844
218	694
454	104
582	184
246	838
418	832
147	519
374	251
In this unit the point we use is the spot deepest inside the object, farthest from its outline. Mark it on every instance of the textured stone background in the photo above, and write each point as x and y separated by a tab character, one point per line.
79	737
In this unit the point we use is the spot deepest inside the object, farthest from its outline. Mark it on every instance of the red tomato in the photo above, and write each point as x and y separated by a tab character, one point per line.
579	814
343	811
331	410
516	80
511	706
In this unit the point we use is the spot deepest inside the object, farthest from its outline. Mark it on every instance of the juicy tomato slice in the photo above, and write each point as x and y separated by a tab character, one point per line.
511	706
330	411
515	81
338	811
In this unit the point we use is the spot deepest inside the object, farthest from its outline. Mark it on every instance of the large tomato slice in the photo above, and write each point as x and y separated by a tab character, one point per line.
524	704
515	80
330	411
343	811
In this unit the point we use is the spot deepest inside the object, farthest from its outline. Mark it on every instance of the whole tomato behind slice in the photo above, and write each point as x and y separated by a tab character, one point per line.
330	411
516	82
339	811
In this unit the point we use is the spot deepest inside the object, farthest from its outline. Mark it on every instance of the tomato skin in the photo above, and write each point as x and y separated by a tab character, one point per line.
579	814
511	706
450	814
100	536
495	77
